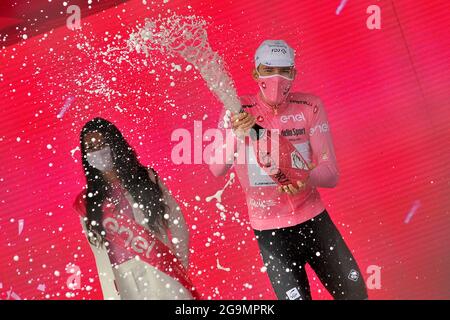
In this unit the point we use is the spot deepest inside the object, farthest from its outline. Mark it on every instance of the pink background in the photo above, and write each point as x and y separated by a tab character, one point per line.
387	96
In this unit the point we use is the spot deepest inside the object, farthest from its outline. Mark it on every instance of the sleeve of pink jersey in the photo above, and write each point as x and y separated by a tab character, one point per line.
221	167
326	172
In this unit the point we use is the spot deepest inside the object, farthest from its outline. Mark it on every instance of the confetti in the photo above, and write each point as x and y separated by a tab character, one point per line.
415	206
21	224
341	6
41	287
219	267
12	295
65	107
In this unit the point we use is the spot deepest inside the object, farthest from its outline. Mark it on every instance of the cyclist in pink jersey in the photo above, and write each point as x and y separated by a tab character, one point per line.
290	221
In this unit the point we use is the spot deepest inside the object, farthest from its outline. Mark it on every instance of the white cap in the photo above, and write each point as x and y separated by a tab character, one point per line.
276	53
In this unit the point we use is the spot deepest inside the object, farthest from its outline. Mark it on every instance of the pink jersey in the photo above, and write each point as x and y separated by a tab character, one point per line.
302	119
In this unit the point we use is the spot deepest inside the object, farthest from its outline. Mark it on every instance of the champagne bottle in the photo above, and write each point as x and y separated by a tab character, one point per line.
278	157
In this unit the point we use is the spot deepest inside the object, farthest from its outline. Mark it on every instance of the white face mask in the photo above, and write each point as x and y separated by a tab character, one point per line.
101	159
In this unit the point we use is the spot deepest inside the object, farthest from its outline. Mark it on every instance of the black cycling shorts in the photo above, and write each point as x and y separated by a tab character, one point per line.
286	251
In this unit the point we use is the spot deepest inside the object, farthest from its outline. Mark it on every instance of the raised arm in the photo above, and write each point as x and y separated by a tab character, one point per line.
224	152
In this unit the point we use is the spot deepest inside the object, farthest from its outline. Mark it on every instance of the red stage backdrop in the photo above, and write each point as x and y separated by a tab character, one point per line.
386	92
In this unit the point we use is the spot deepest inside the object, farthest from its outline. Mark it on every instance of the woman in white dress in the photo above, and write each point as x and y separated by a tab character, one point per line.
134	226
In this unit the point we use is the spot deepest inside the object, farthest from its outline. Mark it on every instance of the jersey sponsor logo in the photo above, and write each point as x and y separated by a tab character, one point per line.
353	275
301	102
297	162
258	177
293	294
258	203
321	128
137	243
294	117
282	50
293	132
281	177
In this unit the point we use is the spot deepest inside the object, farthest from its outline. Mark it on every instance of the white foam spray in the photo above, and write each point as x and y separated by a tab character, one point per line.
186	36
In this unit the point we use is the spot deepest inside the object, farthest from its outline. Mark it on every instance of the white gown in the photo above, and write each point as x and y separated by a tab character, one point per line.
135	279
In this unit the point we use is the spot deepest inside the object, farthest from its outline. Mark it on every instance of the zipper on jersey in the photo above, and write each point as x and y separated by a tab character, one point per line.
275	110
290	203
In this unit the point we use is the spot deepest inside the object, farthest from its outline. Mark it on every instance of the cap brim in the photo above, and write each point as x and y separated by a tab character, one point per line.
278	64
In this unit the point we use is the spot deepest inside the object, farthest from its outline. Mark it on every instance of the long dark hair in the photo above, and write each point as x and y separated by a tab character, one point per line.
132	175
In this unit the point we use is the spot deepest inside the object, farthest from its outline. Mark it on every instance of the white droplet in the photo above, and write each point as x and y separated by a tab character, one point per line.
41	287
